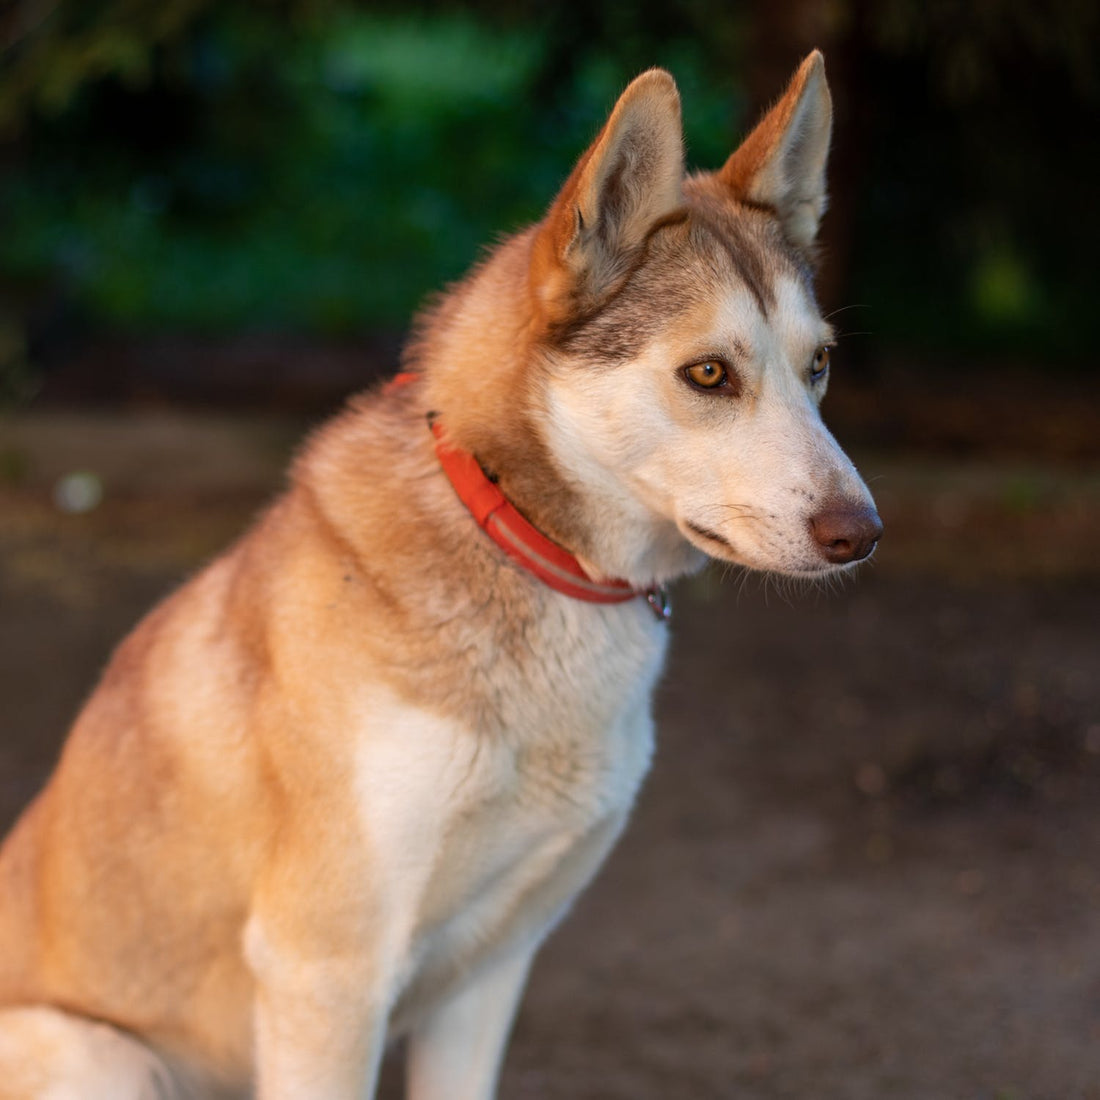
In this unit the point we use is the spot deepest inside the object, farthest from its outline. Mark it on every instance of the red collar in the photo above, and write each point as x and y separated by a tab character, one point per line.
555	566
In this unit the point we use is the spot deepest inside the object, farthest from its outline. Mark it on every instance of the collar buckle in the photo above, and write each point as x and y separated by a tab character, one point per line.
659	602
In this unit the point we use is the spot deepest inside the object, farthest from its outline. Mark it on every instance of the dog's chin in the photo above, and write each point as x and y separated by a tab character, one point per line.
812	570
808	568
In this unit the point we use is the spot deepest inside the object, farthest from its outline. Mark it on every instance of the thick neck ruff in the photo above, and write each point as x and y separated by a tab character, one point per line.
524	543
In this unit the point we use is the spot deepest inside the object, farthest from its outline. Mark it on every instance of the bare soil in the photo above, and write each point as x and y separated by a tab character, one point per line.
867	862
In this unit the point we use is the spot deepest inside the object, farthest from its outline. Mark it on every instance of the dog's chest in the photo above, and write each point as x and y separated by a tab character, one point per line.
479	837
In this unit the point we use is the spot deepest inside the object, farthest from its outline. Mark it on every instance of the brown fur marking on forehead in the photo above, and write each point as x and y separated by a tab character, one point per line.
715	243
758	247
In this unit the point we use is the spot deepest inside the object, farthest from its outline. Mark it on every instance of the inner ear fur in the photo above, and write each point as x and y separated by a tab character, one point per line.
781	164
627	182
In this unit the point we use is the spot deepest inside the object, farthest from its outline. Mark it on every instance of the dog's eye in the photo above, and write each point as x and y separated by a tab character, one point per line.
707	376
820	366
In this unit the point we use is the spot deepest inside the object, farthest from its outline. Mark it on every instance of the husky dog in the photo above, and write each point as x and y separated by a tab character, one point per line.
340	786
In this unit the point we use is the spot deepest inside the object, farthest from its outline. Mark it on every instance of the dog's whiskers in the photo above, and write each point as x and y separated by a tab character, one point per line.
843	309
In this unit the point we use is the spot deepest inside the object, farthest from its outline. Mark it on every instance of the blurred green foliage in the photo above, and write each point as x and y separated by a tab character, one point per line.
321	165
322	172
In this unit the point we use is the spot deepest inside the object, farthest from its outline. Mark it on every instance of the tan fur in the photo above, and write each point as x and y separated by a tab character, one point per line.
781	164
341	785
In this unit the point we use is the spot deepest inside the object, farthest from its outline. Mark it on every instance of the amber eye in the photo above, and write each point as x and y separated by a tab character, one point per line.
707	376
820	366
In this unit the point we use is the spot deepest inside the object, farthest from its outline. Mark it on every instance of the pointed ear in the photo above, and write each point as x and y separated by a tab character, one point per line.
781	164
626	182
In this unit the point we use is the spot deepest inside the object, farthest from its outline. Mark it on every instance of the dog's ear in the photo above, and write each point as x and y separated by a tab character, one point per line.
627	181
781	164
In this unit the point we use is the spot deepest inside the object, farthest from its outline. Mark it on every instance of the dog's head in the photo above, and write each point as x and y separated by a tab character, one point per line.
674	354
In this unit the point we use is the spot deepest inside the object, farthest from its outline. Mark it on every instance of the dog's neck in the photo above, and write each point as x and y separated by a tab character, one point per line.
486	374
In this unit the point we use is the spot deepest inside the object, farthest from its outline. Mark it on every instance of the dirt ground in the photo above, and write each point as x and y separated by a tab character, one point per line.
867	862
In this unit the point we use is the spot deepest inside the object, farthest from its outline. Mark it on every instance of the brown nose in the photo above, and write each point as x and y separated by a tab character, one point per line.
846	532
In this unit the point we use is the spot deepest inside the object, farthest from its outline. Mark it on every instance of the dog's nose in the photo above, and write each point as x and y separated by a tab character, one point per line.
846	532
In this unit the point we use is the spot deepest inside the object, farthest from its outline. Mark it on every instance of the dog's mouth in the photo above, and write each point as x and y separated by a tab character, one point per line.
710	542
716	545
708	535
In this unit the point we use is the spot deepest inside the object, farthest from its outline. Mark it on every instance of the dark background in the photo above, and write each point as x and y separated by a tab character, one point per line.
280	174
868	861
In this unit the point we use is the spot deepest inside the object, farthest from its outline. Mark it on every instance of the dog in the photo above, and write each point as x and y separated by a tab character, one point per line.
340	786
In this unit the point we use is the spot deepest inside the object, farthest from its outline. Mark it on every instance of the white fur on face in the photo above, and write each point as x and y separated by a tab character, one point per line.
654	455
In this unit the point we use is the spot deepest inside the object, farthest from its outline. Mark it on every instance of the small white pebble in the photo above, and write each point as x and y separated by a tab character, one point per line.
78	492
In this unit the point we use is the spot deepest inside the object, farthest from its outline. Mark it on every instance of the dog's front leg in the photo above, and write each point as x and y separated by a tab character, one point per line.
455	1053
320	1011
316	1042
